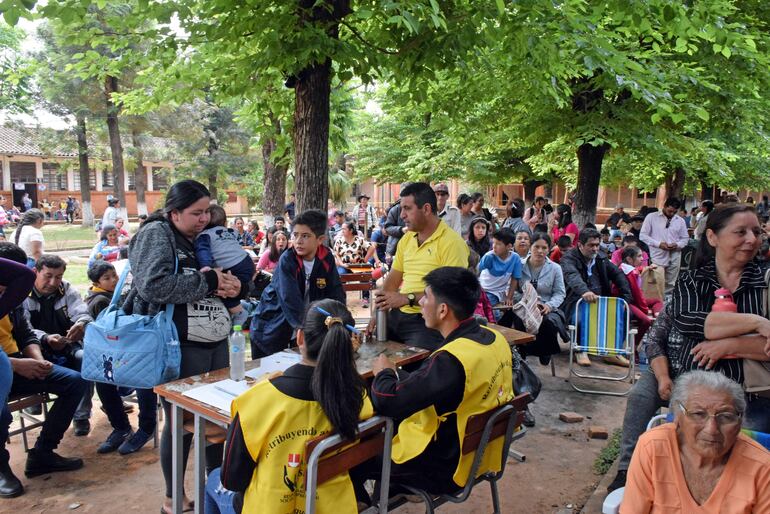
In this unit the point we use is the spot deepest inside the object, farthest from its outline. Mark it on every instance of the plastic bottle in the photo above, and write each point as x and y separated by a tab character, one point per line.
724	301
237	354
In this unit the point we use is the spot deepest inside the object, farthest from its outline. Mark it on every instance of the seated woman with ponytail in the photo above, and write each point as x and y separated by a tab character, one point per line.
273	420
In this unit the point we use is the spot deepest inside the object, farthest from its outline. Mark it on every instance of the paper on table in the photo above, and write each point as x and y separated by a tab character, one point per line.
277	362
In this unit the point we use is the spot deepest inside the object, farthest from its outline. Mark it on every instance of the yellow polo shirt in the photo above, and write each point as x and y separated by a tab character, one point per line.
7	342
444	247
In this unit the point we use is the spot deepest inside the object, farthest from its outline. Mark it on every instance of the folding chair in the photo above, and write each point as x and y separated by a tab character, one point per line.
602	328
19	403
502	421
329	456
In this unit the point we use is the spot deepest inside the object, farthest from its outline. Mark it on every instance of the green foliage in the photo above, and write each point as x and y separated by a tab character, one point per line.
609	453
15	72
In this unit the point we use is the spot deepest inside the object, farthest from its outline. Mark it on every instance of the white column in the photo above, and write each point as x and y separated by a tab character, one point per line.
148	171
125	180
39	169
71	181
99	181
7	174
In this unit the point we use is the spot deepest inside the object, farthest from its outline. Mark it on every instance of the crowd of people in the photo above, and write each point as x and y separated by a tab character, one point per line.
450	271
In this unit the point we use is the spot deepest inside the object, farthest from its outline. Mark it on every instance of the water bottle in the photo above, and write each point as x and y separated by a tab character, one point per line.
644	362
724	301
382	325
237	354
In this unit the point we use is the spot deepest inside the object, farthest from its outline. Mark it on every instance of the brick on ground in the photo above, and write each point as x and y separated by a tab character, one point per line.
598	432
570	417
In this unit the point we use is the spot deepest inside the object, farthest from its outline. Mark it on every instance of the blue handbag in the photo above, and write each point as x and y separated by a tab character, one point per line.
131	350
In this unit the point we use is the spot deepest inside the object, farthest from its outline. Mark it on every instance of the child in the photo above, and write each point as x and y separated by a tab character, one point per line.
306	272
103	279
629	240
605	244
483	312
500	269
643	309
218	247
563	244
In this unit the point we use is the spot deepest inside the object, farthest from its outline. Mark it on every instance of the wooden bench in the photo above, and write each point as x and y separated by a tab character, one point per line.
20	402
331	455
502	421
360	281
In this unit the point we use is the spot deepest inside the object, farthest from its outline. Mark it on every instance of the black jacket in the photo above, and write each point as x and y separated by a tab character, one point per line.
393	227
575	269
21	330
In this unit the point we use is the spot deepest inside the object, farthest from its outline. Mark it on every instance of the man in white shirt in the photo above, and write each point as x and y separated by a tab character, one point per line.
666	235
447	212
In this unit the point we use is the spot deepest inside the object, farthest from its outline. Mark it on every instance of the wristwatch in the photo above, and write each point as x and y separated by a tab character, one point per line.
411	299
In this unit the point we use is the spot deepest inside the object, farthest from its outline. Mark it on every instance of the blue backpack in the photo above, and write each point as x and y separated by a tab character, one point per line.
131	350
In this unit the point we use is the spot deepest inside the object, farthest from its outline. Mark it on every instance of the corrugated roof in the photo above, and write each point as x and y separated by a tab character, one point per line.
28	142
15	142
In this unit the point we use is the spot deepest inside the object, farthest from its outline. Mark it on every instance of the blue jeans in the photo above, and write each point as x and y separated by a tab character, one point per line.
757	416
218	499
6	378
68	386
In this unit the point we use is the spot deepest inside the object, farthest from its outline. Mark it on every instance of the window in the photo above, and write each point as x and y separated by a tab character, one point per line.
108	181
91	180
131	181
159	178
650	194
54	178
23	172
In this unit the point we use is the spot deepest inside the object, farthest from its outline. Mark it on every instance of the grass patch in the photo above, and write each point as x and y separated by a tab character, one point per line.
609	453
67	237
76	275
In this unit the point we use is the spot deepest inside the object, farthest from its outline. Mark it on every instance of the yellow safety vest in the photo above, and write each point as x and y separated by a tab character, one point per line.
488	383
275	429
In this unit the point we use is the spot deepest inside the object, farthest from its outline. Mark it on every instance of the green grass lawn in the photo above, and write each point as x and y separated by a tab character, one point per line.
67	237
76	275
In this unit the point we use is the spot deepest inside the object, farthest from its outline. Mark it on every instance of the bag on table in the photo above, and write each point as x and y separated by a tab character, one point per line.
527	311
131	350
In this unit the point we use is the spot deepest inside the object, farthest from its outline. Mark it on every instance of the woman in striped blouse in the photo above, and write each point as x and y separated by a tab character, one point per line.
721	340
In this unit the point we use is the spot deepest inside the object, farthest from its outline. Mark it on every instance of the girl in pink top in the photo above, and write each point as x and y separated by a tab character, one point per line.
279	241
561	224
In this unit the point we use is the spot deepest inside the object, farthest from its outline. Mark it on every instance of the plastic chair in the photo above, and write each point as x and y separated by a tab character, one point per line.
502	421
329	456
602	328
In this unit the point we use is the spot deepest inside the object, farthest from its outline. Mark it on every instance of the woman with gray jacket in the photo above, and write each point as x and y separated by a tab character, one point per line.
164	244
546	276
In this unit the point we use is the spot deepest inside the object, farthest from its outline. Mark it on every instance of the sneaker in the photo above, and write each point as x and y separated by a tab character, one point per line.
82	427
42	463
620	481
114	440
365	304
529	418
135	442
34	410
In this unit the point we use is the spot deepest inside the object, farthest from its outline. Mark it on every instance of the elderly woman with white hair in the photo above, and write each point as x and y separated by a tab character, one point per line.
700	463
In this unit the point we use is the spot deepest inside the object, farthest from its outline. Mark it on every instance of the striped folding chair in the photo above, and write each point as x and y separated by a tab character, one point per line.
602	328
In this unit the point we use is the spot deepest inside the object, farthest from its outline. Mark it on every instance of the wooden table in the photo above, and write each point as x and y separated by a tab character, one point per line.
513	336
173	392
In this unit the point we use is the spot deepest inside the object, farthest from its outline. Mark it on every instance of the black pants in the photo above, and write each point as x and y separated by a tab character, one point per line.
195	360
546	342
410	329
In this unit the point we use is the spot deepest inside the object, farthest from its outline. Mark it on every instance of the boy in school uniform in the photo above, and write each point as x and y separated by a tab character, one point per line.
306	272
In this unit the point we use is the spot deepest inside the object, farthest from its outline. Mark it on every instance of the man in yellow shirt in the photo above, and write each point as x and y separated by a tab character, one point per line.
429	244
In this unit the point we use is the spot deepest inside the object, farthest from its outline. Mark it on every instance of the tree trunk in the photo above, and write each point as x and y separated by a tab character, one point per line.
140	173
87	211
675	183
275	177
212	146
589	173
529	189
706	191
311	137
311	109
116	147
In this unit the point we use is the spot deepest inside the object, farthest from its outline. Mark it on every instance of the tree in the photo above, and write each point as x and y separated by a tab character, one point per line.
15	76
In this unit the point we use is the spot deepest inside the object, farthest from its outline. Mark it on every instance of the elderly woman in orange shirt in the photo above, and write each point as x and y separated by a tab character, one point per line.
700	463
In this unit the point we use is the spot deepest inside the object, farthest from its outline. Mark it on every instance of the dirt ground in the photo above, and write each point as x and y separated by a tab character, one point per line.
557	475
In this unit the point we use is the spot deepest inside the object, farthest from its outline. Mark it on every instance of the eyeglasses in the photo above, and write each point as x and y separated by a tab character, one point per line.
722	418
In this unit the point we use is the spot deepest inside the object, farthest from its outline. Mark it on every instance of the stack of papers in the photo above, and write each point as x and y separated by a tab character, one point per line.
221	394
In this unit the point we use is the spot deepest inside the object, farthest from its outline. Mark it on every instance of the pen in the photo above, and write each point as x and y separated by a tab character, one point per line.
349	327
